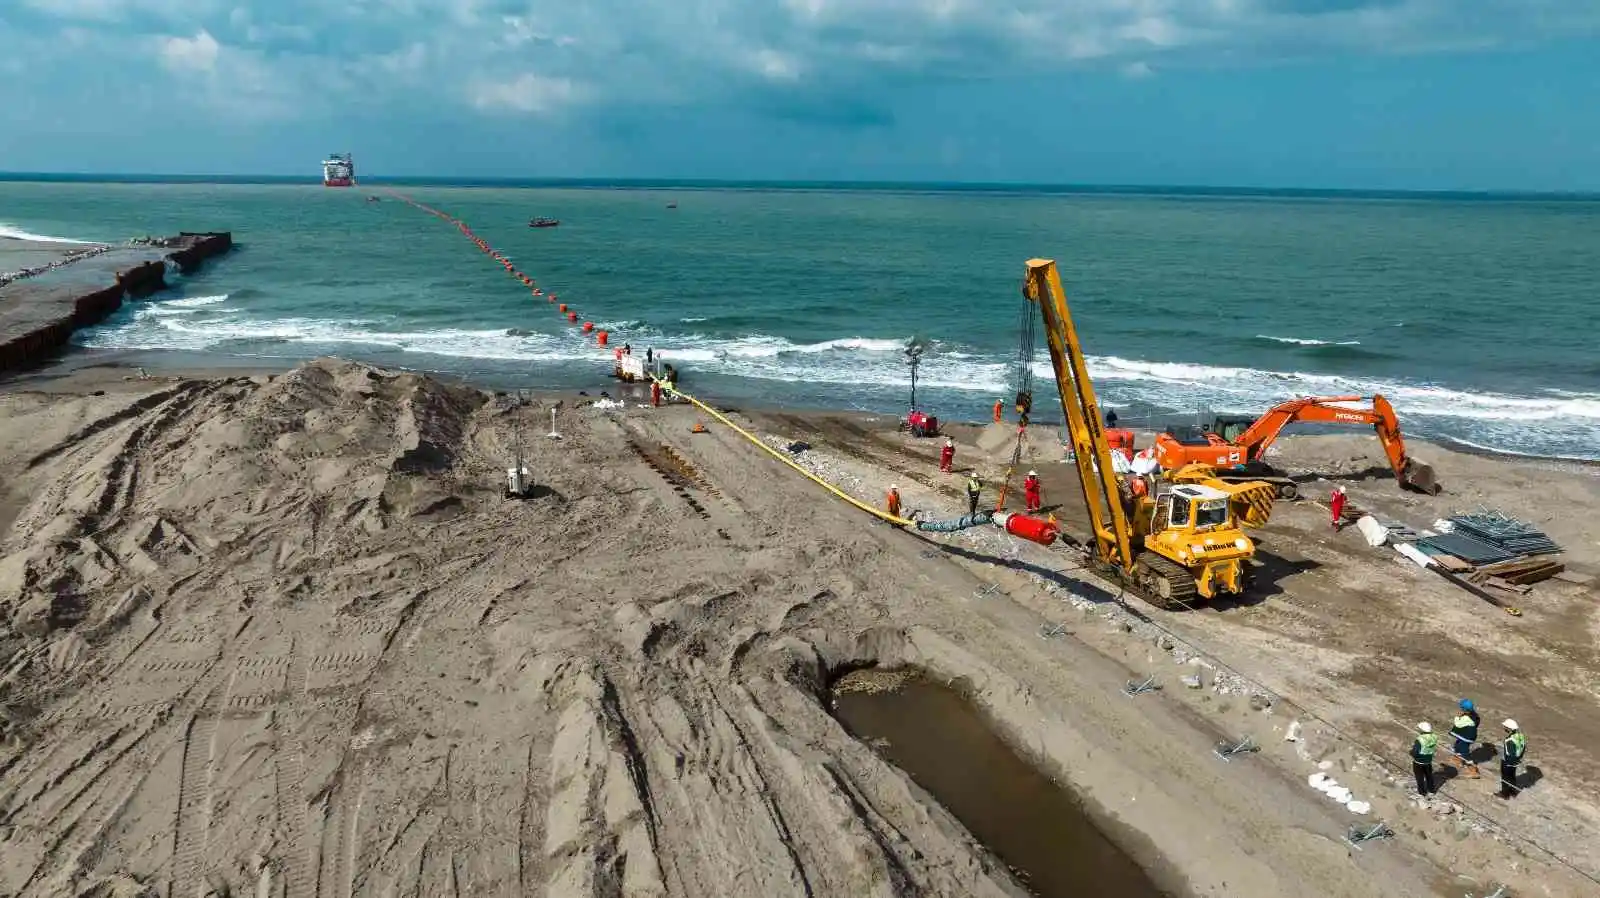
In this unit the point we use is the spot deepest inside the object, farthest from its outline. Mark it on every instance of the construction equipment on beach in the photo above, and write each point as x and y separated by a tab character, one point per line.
917	421
519	480
1237	447
1183	542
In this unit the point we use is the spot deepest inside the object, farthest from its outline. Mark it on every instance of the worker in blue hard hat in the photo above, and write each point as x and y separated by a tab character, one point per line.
1464	733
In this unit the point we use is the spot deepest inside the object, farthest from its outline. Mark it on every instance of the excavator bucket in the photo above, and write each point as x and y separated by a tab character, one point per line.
1419	476
1252	502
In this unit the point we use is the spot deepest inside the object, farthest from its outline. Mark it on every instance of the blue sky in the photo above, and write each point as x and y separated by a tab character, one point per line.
1426	94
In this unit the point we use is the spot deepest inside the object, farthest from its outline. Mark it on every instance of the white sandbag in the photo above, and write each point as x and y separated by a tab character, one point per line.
1375	533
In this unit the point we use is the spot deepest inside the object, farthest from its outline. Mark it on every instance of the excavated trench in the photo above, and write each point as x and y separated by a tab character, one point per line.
1035	826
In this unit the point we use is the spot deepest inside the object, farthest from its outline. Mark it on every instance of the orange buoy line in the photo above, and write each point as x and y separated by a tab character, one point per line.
601	337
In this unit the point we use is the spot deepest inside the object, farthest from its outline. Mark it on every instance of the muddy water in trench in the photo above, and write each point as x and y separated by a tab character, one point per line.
1029	822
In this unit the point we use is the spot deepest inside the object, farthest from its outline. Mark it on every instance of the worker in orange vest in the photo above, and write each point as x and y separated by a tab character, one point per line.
655	393
947	455
893	500
998	405
1032	492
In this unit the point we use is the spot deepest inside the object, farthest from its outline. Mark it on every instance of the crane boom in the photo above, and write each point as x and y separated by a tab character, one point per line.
1112	532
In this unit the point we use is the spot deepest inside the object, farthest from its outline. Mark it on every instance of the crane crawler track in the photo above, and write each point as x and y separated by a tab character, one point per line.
1164	583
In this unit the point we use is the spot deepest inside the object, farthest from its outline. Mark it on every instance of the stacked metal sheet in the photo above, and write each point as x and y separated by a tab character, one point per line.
1469	549
1505	532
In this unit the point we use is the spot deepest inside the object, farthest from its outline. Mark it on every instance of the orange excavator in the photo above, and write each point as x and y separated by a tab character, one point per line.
1241	444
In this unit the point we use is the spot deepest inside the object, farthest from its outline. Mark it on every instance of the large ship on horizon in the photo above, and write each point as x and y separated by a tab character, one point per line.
338	170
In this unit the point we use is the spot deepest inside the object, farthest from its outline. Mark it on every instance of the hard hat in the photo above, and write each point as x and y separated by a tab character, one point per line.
1466	704
1509	724
1033	473
1424	727
893	487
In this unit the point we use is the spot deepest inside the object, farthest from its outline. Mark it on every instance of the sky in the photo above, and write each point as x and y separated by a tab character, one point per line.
1380	94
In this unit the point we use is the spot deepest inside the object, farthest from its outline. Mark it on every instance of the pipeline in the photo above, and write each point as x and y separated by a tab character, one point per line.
1026	528
589	329
965	522
723	419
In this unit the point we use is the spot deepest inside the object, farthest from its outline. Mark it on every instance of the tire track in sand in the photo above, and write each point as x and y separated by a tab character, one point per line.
289	780
194	795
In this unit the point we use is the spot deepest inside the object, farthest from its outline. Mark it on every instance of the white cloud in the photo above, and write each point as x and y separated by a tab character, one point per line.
527	93
775	66
427	52
190	54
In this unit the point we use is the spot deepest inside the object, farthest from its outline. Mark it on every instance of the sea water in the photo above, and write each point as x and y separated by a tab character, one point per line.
1474	315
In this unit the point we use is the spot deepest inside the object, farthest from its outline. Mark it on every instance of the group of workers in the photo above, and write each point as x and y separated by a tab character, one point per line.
1032	489
1463	736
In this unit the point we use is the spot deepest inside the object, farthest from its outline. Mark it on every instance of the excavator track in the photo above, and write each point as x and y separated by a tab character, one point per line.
1164	583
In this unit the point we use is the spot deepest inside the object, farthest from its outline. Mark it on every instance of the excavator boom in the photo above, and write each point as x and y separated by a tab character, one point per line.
1251	446
1112	532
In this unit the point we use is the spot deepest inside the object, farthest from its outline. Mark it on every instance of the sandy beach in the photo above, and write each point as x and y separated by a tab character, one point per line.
280	633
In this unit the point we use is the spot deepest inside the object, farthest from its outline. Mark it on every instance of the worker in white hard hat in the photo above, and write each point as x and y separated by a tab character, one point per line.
1032	492
1512	751
892	500
974	490
1422	749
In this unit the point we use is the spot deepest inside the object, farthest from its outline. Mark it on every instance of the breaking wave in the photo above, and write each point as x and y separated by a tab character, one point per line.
1304	341
1550	422
9	232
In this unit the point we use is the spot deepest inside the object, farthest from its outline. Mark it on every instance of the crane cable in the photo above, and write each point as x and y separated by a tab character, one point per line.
1026	340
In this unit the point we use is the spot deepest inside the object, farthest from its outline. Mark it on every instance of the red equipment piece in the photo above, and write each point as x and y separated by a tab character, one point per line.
1035	530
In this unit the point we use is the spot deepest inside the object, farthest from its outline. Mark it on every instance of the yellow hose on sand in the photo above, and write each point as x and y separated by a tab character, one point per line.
878	513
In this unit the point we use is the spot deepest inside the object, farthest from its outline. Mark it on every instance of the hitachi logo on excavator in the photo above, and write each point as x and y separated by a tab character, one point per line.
1346	416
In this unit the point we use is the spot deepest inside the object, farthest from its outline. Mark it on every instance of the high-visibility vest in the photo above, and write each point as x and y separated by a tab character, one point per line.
1426	745
1464	727
974	487
1516	746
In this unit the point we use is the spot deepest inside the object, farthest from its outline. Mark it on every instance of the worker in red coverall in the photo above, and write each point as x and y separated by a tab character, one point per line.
1032	492
1336	504
655	393
892	501
947	455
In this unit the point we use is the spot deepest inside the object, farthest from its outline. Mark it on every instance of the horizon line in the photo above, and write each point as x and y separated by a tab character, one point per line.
919	186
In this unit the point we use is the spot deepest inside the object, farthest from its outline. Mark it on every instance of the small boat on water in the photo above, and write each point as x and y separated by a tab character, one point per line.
672	205
543	222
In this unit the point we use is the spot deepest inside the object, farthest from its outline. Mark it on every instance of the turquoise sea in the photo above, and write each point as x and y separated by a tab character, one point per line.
1475	315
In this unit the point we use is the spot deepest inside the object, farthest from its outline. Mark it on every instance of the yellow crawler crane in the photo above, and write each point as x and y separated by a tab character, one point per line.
1182	543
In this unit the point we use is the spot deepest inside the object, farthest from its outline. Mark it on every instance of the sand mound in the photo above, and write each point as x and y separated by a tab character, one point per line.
313	586
286	637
